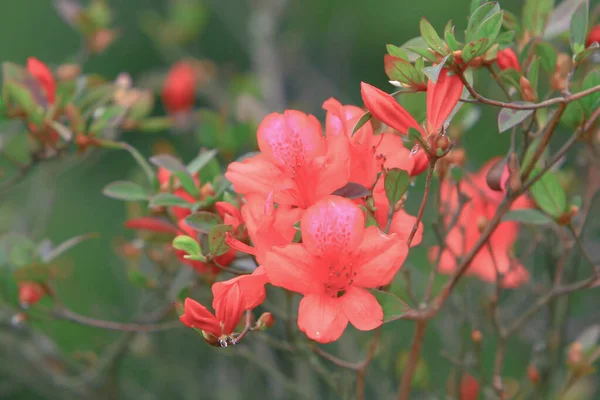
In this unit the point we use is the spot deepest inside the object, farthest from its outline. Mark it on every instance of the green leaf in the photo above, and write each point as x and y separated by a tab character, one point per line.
187	183
578	27
396	184
363	120
125	190
398	69
549	194
591	102
506	37
510	22
475	4
352	190
203	221
168	162
154	124
474	49
547	55
21	97
431	37
139	158
18	249
507	117
489	29
579	58
187	244
107	118
216	240
396	51
393	308
418	43
17	146
533	74
434	71
169	200
536	14
449	37
478	17
201	160
527	216
574	114
423	52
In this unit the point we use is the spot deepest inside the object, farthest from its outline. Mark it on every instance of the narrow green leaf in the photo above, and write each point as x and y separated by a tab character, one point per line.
591	102
352	190
396	184
533	74
527	216
417	42
580	57
203	221
216	240
449	37
578	26
535	15
167	162
489	28
431	37
201	160
393	308
139	158
107	118
125	190
482	13
474	49
423	52
507	117
549	194
187	244
506	37
396	51
363	120
434	71
547	55
169	200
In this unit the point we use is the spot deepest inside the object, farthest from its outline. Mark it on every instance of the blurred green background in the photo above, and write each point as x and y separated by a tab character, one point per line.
327	48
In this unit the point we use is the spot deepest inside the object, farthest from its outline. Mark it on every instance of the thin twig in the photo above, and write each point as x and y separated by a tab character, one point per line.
68	315
413	360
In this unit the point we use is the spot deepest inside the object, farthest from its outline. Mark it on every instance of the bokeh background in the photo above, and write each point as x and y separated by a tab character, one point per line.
323	49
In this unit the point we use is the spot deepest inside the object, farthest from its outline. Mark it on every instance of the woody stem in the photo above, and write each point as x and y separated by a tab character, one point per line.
413	359
415	227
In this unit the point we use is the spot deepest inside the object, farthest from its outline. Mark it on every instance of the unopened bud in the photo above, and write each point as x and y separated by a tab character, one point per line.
567	217
265	321
533	374
456	157
476	336
564	64
476	62
442	143
526	89
101	39
30	293
68	72
457	55
495	175
207	190
575	354
482	223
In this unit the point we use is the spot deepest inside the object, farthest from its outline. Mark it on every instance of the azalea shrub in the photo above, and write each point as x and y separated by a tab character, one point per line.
363	255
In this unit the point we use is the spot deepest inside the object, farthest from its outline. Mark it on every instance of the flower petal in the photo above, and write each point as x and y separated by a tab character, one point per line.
386	109
294	268
229	308
378	258
290	139
402	225
254	175
252	288
321	318
197	316
362	309
442	97
151	224
332	228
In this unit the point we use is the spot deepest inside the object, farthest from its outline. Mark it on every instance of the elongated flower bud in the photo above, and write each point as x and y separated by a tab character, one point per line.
508	59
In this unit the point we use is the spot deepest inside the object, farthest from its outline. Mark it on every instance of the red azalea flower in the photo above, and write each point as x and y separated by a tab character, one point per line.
469	388
340	121
265	228
251	289
179	89
593	36
297	165
30	293
230	214
42	74
219	325
508	59
335	264
481	208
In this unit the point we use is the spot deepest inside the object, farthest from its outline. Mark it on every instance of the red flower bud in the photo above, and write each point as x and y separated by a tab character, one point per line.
508	59
30	293
593	36
42	74
469	388
179	90
266	321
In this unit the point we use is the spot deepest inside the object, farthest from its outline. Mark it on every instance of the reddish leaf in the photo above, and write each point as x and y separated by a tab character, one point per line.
151	224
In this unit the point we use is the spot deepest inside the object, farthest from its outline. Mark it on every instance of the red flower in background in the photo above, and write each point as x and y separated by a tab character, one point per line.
30	293
337	261
179	89
593	36
474	215
442	97
42	74
508	59
469	388
297	165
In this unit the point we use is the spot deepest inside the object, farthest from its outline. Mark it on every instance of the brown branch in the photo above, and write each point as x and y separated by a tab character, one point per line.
247	328
415	227
413	360
360	375
557	100
68	315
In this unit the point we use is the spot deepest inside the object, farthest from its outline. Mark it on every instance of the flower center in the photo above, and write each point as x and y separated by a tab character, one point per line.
339	279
